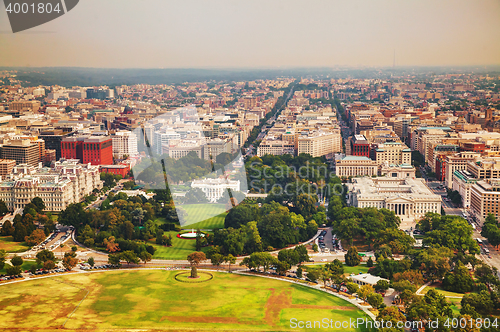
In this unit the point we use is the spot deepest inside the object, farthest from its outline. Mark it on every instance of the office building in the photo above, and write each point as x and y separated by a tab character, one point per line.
351	166
22	151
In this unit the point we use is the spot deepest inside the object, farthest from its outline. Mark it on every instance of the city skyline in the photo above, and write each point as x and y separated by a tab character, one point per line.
224	34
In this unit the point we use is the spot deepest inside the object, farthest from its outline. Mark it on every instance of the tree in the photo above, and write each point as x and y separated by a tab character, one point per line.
17	261
145	256
37	237
375	300
91	261
459	281
129	256
351	257
114	259
302	254
315	247
194	260
44	256
110	244
13	270
400	286
352	287
393	315
39	204
369	262
381	286
3	254
324	275
69	261
49	265
73	215
7	228
198	240
217	260
281	267
480	303
432	306
3	209
313	275
20	232
230	259
159	237
289	256
364	291
299	272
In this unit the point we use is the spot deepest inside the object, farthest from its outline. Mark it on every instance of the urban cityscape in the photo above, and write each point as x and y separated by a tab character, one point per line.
259	167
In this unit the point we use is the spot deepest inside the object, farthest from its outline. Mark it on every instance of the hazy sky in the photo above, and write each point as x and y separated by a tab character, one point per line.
255	33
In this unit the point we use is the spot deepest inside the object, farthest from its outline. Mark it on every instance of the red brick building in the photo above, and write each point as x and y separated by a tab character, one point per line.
360	146
121	169
71	148
473	147
96	150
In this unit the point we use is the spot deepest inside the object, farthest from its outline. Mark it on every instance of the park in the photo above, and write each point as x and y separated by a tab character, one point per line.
154	299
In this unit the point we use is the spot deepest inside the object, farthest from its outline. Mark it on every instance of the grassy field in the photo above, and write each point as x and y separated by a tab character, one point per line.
179	250
196	216
347	269
8	244
153	299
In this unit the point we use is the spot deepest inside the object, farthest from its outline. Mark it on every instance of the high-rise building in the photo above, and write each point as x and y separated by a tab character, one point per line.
485	198
53	139
72	147
98	150
6	166
124	143
359	146
393	153
22	151
33	105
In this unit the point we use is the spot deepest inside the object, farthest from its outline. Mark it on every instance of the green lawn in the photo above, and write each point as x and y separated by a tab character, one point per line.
455	305
179	250
8	244
27	264
441	291
154	300
197	216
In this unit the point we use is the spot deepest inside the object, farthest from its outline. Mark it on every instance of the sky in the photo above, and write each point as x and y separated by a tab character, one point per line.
259	34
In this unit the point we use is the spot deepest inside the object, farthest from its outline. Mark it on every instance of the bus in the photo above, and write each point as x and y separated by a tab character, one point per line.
479	241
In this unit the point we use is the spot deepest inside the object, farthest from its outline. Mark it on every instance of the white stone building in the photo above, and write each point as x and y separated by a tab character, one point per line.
409	198
356	166
124	143
65	183
214	188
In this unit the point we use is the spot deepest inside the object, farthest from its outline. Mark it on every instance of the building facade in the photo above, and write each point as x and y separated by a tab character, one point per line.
22	151
124	144
214	189
485	199
65	183
351	166
409	198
